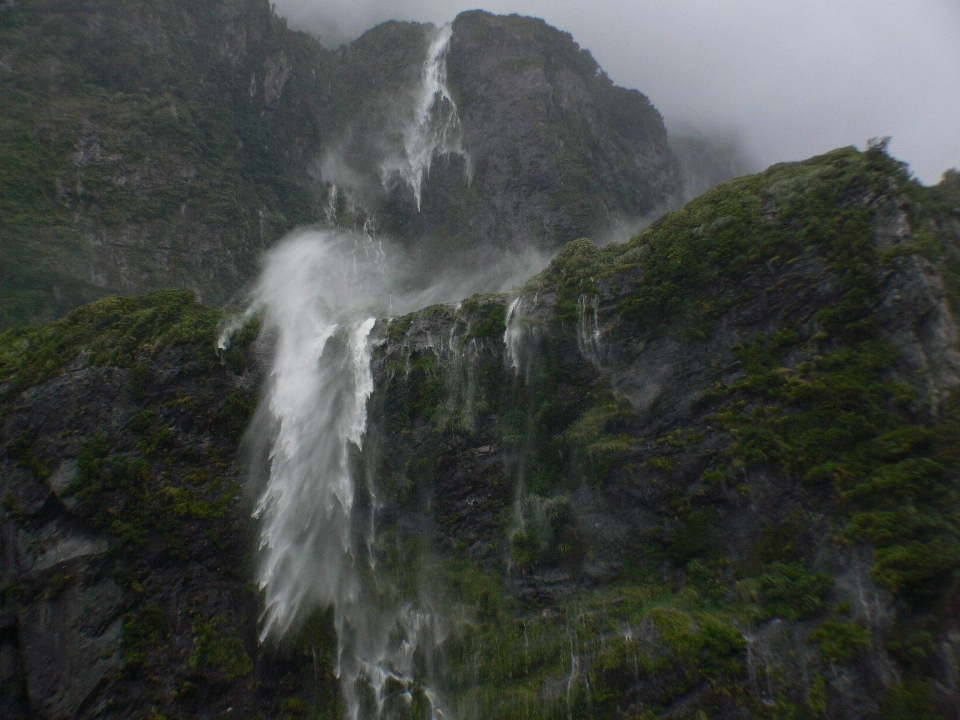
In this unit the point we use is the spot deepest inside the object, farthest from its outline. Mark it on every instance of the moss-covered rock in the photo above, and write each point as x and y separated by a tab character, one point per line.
712	471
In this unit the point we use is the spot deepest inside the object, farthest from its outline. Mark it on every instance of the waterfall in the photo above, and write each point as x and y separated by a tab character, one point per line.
588	329
434	128
318	303
520	336
318	297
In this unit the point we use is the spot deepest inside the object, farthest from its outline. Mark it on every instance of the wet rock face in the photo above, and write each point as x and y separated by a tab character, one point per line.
128	119
711	469
587	441
215	129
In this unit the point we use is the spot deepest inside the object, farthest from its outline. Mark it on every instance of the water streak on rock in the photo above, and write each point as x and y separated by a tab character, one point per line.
435	126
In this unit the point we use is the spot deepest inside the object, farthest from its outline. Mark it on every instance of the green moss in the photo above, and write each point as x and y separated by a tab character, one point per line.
217	652
114	331
790	591
840	640
145	633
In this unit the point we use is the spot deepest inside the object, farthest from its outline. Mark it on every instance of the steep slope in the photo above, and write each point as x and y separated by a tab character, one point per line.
710	471
126	543
154	144
148	144
724	454
551	149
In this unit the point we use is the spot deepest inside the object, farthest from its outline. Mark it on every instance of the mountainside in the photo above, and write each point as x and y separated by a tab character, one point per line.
150	144
709	472
551	149
147	144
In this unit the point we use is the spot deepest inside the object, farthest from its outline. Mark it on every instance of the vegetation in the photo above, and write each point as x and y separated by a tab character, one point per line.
816	397
114	331
128	140
716	600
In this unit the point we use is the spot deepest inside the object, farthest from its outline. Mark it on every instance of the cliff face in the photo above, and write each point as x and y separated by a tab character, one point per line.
126	544
148	144
722	452
544	148
571	152
712	470
152	144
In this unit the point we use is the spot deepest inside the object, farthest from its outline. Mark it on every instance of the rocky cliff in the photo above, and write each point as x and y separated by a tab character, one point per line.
146	145
711	471
155	144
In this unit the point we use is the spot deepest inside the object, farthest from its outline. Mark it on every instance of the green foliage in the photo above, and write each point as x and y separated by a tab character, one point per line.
21	451
790	591
611	649
236	413
120	493
811	403
548	534
145	633
696	537
142	145
115	488
114	331
909	700
841	640
217	652
487	318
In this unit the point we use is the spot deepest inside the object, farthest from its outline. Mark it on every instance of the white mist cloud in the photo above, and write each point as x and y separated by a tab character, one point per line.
792	78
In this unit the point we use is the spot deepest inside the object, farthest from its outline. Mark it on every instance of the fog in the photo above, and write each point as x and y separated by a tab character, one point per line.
786	80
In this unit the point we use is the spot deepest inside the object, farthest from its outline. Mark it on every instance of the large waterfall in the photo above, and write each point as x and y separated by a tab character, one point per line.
317	298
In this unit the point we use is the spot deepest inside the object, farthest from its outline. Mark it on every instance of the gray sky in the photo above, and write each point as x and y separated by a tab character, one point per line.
789	78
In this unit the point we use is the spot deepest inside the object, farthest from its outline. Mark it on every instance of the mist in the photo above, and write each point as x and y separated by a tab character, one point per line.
781	80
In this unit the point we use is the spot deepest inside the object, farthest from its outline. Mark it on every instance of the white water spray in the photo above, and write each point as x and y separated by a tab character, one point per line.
318	296
318	303
520	335
435	126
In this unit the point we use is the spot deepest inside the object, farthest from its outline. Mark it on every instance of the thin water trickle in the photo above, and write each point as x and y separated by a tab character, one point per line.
588	329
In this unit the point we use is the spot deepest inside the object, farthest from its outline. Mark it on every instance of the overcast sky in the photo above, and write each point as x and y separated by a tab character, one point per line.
791	78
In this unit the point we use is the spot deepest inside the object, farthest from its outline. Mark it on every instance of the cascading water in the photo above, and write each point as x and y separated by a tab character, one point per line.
520	335
317	297
435	126
588	329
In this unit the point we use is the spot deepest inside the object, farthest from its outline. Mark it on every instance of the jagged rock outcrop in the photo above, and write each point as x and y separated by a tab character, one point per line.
569	152
712	470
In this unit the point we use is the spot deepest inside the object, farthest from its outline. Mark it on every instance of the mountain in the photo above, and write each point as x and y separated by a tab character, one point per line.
708	472
154	144
145	145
